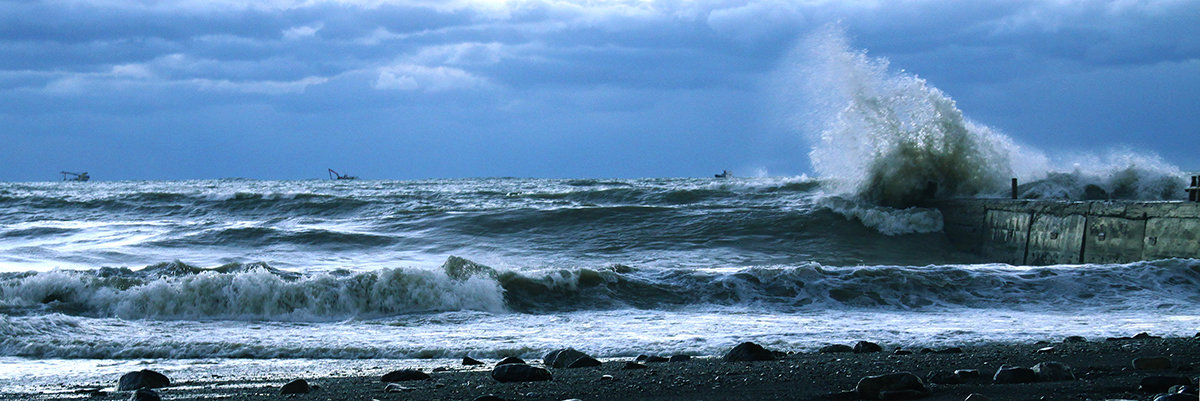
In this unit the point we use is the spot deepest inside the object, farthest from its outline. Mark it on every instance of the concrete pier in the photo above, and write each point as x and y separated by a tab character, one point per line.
1043	232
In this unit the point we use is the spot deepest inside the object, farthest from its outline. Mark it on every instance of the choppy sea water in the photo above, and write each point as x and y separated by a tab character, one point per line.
222	272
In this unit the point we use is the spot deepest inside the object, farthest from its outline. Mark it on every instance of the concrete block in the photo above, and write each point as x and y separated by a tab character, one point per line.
1055	239
1113	240
1006	236
1171	238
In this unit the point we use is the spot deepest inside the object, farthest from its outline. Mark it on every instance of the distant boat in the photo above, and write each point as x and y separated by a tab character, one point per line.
724	174
333	175
81	177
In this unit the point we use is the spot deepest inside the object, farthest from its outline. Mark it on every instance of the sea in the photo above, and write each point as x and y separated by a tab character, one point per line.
247	277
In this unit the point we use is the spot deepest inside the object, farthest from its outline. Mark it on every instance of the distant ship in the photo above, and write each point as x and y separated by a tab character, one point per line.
724	174
333	175
81	177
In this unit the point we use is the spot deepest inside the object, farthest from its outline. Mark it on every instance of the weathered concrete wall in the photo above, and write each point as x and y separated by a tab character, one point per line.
1035	232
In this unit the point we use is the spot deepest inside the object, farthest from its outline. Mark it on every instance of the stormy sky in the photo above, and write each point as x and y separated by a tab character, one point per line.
441	89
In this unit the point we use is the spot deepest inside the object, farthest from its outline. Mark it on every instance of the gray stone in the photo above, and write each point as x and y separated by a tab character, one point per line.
633	365
749	351
951	350
1159	384
584	362
1014	375
968	373
1152	363
1175	397
404	375
680	358
1053	372
1075	339
656	359
519	372
567	357
508	360
835	349
874	387
1188	389
469	361
144	378
298	386
145	394
863	347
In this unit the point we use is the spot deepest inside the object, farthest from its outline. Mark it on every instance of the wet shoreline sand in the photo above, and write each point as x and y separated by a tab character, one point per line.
1103	370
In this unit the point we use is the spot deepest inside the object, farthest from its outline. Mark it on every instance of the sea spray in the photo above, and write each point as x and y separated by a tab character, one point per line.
890	138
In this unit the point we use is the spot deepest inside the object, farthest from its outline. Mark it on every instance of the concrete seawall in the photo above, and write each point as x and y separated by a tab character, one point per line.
1043	232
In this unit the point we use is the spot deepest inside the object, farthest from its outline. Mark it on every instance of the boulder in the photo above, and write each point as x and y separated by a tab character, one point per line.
469	361
1013	375
144	378
569	358
893	386
863	347
1053	372
951	350
1152	363
1075	339
1159	384
508	360
1145	336
145	394
298	386
749	351
680	358
656	359
519	372
835	349
404	375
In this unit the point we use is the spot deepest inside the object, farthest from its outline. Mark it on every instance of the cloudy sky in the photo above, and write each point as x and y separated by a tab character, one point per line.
278	89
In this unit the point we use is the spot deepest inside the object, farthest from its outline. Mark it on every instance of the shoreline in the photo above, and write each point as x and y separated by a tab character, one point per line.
1103	370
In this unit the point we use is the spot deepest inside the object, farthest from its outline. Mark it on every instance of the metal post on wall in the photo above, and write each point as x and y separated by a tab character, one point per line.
1194	190
1014	188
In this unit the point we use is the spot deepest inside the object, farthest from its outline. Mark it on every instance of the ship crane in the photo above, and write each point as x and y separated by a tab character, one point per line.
81	177
333	175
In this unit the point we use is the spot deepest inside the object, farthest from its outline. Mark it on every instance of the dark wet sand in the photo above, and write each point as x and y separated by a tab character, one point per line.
1104	370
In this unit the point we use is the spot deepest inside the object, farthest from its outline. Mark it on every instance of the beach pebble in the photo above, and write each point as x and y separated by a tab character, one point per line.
862	347
404	375
1053	372
1175	397
606	378
1075	339
511	359
903	385
519	372
680	358
902	352
298	386
144	378
396	388
749	351
951	350
1044	350
1152	363
1188	389
977	397
633	365
469	361
144	394
1159	384
968	373
1012	375
944	377
488	398
569	358
835	348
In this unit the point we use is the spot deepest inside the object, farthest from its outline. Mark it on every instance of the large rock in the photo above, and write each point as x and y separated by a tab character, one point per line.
1159	384
144	394
749	351
944	377
1014	375
298	386
1152	363
1053	372
510	359
469	361
569	358
404	375
144	378
519	372
863	347
891	386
